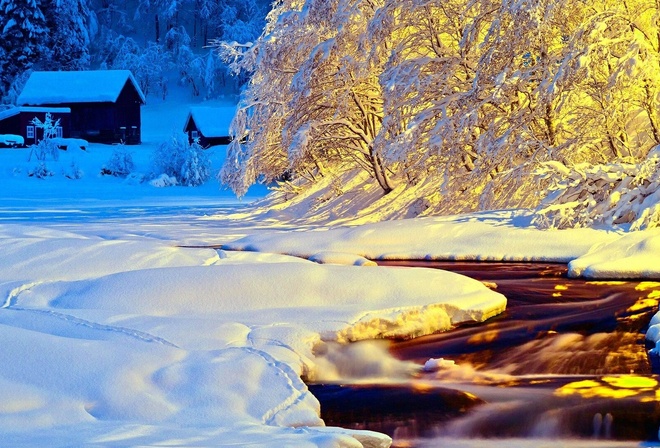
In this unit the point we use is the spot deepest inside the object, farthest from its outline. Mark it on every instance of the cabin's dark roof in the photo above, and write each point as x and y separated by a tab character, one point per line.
94	86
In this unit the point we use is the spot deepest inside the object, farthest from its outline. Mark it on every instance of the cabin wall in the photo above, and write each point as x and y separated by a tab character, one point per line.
94	122
26	120
217	141
11	125
128	114
18	125
190	128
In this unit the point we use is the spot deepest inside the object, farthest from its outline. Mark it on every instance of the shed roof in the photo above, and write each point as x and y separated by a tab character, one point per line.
17	110
94	86
211	121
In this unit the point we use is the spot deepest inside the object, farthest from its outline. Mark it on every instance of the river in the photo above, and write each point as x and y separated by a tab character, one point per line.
565	365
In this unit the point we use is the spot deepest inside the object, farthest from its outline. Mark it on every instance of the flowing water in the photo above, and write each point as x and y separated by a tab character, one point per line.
566	362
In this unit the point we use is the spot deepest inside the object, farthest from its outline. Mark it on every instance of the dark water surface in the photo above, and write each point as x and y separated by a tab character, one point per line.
566	360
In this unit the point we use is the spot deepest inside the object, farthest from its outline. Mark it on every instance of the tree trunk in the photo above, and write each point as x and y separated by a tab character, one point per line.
194	38
550	125
379	172
611	142
652	114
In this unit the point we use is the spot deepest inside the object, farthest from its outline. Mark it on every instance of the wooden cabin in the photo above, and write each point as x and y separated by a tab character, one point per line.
18	121
209	125
105	104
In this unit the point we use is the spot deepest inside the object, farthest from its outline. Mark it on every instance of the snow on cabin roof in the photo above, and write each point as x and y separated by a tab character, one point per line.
17	110
94	86
211	121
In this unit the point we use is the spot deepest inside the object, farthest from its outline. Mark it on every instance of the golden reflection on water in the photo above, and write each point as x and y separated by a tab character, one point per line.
645	286
614	387
648	302
559	289
484	337
606	282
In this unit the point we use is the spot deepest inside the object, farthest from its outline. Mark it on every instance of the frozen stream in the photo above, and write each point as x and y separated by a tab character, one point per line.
567	360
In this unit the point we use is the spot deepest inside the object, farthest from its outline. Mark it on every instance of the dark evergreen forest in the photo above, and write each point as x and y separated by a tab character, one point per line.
152	38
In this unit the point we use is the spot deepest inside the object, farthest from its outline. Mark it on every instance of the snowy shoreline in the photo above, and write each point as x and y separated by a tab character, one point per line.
119	323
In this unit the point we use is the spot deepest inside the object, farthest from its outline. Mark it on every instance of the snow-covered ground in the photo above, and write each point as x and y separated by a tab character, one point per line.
120	330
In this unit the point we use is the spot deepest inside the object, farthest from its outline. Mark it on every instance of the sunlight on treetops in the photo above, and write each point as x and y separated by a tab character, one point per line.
436	95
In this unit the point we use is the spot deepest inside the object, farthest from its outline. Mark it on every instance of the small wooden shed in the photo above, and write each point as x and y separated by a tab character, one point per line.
105	104
209	125
18	121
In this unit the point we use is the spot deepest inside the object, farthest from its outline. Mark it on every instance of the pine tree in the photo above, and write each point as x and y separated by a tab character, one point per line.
69	22
23	33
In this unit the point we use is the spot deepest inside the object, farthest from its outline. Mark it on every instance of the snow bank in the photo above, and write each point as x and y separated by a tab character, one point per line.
163	181
364	303
653	336
634	255
45	255
71	144
134	341
493	236
340	258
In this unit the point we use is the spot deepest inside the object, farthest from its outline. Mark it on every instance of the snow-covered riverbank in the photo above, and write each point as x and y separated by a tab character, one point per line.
121	337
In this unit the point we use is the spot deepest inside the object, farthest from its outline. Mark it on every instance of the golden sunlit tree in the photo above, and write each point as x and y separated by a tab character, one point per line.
471	101
430	85
313	99
336	110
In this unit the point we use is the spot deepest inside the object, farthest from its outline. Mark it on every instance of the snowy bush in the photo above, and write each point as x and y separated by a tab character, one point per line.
120	163
163	181
46	146
187	162
73	171
44	149
71	144
40	171
134	179
611	194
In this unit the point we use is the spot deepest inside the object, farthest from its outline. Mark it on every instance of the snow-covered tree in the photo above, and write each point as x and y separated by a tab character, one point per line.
239	21
120	164
313	99
614	70
585	195
188	162
72	26
149	65
481	92
431	85
467	97
16	87
337	106
23	34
